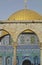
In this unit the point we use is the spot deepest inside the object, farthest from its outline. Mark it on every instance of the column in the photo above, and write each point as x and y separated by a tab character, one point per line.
14	61
40	54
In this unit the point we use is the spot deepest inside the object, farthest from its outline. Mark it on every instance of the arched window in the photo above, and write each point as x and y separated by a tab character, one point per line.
28	37
36	60
17	60
26	62
4	37
8	60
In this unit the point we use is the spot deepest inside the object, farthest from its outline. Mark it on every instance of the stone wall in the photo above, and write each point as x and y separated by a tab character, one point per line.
15	29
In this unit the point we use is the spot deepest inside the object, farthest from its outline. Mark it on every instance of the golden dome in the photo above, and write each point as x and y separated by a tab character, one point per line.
25	14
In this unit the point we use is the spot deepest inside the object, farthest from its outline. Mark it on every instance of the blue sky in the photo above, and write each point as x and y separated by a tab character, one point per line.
7	7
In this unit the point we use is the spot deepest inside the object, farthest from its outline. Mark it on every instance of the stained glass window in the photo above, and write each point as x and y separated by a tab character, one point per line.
5	40
36	60
32	39
22	39
17	60
8	61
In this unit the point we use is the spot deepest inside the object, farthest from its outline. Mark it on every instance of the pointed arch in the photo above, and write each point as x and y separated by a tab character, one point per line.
4	37
30	33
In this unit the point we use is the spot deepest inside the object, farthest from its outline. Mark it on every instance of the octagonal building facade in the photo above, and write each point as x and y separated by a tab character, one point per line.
21	39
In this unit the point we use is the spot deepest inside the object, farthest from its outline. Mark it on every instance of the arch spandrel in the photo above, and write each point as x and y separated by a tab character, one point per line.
18	33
